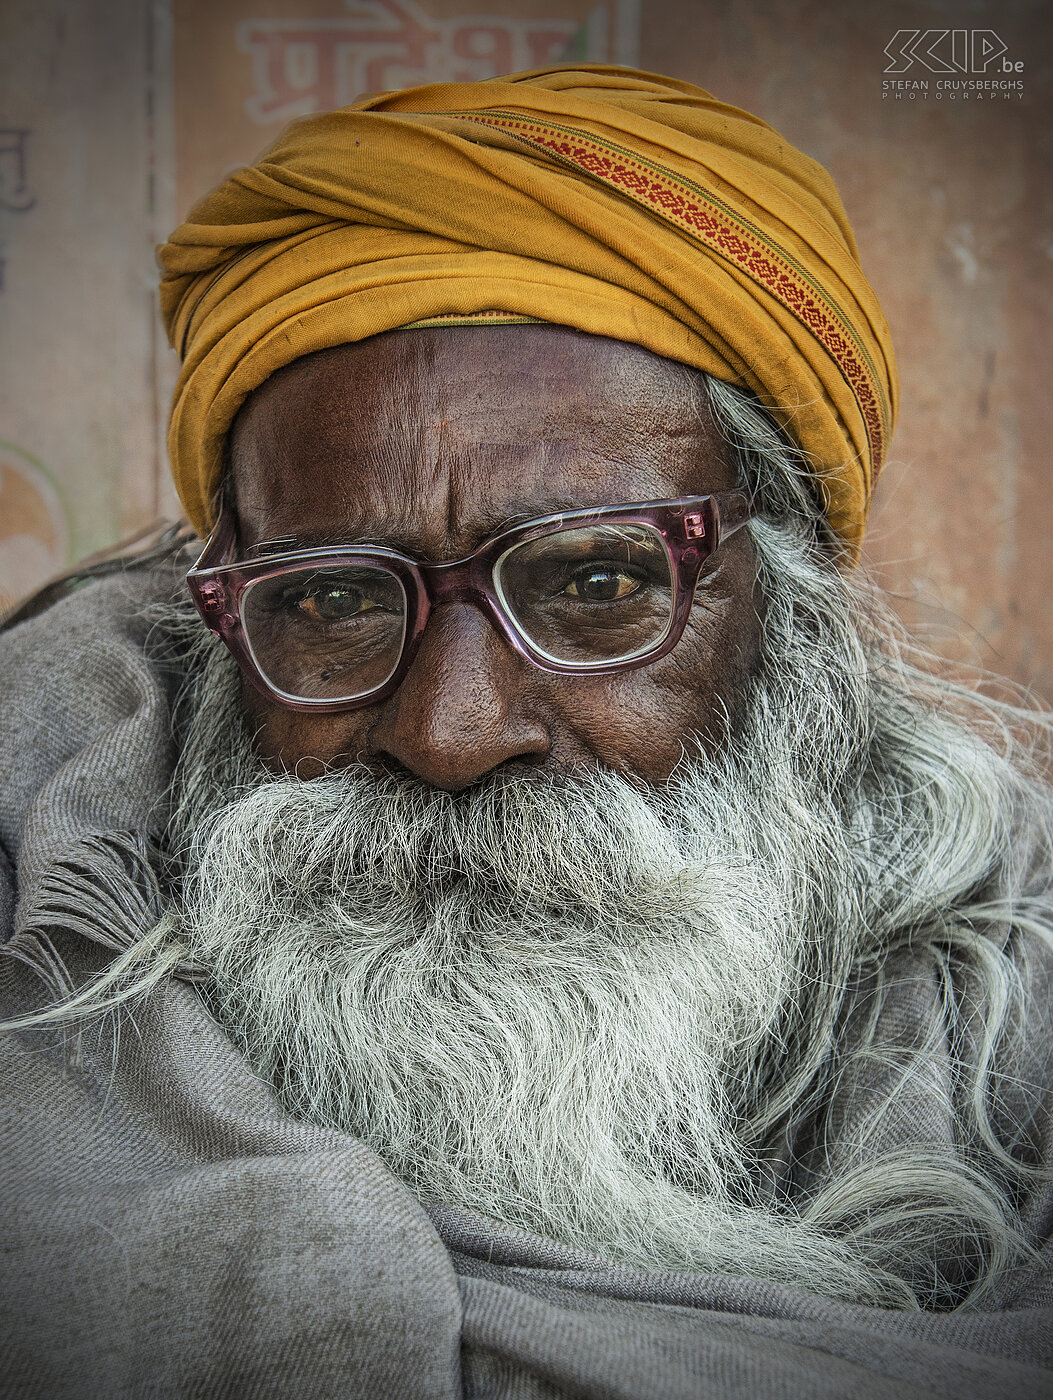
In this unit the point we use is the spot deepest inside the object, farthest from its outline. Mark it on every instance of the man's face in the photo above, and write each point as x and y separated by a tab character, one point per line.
430	441
535	985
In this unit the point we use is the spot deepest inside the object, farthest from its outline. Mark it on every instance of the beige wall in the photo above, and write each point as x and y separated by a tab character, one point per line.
115	114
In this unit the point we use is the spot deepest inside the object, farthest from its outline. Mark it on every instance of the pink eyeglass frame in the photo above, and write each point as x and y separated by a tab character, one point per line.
692	527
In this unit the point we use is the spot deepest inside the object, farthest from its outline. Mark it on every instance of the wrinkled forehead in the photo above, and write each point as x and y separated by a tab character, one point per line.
437	437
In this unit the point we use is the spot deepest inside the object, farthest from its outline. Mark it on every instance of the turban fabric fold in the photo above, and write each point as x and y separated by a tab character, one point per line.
604	199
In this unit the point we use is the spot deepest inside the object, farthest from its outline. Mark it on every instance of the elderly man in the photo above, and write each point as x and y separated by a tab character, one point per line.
543	935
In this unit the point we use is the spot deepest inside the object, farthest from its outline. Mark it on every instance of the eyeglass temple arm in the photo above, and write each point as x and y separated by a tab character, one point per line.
734	509
219	545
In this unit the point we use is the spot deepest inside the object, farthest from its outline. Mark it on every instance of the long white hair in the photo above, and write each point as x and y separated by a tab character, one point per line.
946	792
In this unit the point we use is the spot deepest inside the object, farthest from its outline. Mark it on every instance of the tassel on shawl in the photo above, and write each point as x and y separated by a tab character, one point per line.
104	889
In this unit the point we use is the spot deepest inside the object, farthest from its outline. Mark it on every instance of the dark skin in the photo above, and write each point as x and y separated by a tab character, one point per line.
431	440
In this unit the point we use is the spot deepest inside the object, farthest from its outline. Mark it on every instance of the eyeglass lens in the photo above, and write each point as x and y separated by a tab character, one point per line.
588	596
326	634
585	596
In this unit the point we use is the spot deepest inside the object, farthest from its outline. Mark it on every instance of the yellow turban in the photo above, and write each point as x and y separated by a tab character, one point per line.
609	200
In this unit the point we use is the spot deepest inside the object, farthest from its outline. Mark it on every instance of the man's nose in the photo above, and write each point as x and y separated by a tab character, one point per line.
463	708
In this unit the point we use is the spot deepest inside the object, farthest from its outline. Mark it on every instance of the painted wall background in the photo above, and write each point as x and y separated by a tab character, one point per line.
116	114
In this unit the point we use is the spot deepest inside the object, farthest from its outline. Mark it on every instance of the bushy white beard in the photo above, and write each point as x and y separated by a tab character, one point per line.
555	999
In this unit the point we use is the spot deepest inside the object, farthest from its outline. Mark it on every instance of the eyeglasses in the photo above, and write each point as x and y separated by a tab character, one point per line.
580	592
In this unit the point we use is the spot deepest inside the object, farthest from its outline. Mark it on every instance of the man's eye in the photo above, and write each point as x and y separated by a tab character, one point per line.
334	604
602	585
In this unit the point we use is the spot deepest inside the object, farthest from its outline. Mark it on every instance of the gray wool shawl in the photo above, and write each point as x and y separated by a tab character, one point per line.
169	1231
